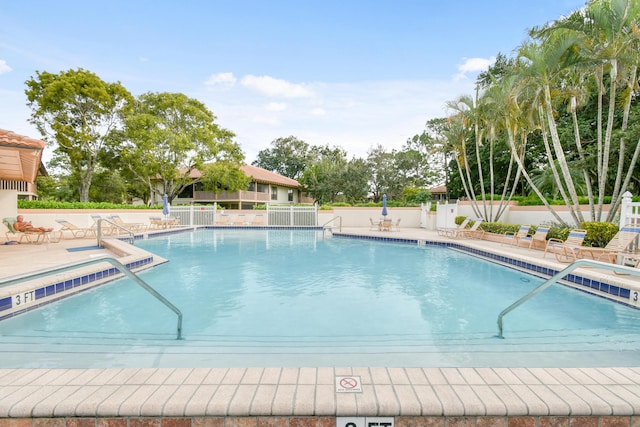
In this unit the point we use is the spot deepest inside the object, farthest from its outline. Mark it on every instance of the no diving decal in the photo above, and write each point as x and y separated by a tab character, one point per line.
364	421
348	385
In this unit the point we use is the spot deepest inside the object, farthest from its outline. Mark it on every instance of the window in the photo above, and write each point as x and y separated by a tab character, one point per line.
290	195
274	192
263	188
252	186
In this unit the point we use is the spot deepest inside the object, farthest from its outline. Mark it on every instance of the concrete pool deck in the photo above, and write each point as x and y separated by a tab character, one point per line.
314	396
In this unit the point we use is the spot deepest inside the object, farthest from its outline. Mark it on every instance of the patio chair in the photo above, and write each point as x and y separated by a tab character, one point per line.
36	237
386	224
539	238
74	230
557	246
448	231
618	245
473	232
395	226
515	238
375	225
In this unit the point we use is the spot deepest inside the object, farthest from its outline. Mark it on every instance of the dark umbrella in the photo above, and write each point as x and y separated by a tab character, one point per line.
384	205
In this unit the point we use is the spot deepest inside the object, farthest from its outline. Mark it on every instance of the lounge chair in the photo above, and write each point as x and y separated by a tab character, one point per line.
172	221
448	231
74	230
222	219
473	232
36	237
241	219
515	238
557	246
133	226
619	244
539	238
258	220
106	228
156	222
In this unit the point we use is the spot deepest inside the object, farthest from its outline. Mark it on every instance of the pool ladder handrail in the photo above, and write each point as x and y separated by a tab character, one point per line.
324	226
558	276
131	238
121	267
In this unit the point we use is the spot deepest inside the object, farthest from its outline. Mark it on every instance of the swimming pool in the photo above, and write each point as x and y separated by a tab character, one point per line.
295	298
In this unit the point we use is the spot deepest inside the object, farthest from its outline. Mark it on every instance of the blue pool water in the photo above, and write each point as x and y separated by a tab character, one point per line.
297	298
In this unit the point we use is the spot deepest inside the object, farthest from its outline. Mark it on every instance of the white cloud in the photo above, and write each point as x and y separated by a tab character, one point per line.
354	116
4	68
276	106
221	79
273	87
473	65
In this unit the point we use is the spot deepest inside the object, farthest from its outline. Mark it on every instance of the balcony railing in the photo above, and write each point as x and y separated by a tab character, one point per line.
19	186
236	196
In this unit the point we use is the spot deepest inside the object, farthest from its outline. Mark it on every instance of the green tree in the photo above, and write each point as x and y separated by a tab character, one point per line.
76	112
287	156
169	135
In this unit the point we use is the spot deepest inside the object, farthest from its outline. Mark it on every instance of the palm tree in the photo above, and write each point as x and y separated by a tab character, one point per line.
606	44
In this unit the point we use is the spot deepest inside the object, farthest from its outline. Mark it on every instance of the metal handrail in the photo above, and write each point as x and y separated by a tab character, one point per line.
131	234
556	277
121	267
331	220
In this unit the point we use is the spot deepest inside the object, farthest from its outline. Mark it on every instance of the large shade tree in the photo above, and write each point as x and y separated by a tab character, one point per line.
77	113
169	135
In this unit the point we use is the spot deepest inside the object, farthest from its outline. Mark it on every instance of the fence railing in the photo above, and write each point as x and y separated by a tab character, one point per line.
294	216
194	215
629	211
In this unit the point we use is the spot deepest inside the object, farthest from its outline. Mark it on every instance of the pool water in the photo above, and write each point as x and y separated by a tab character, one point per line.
299	298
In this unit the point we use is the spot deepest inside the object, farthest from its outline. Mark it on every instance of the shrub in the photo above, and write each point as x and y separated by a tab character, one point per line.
42	204
599	233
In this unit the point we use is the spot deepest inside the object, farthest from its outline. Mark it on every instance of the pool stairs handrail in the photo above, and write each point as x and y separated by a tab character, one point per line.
131	238
558	276
121	267
326	226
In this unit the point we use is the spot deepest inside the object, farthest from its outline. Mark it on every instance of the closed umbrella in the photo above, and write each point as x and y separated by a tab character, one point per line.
165	207
384	205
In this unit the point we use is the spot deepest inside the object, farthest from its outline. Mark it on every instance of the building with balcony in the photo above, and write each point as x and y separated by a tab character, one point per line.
266	187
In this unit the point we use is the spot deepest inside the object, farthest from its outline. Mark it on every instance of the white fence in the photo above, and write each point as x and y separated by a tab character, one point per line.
296	216
194	215
629	211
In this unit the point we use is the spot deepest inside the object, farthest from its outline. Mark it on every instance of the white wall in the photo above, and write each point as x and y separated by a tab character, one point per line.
8	205
532	214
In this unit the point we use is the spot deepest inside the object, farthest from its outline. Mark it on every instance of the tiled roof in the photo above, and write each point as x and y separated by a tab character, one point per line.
268	177
20	156
440	189
260	175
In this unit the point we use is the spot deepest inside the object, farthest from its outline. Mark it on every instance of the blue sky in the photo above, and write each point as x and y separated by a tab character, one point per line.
345	73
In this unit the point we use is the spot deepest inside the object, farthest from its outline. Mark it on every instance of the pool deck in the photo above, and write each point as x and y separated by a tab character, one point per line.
313	396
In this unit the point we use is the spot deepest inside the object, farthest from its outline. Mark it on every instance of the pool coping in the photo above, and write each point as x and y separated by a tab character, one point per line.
251	396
